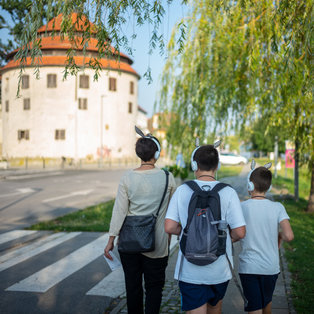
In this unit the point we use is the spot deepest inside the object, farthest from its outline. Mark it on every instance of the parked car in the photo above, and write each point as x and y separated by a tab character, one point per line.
232	159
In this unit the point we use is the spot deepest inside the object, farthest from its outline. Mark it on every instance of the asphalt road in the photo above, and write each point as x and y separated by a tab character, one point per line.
31	197
46	272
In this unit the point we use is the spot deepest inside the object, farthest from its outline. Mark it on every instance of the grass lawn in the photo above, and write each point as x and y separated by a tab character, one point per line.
300	255
94	218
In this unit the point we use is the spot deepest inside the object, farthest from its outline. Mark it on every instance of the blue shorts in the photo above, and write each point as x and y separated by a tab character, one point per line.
193	296
258	290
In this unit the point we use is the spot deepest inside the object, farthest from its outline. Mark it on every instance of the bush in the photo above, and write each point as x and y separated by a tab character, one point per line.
178	171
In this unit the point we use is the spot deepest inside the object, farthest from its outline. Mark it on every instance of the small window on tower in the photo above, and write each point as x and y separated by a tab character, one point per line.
51	80
23	135
130	107
84	81
26	103
112	84
131	88
25	81
6	106
60	134
82	103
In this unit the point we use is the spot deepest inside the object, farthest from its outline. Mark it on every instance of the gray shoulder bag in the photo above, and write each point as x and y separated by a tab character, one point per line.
137	234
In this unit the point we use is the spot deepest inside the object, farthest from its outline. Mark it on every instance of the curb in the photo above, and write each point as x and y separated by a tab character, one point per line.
287	280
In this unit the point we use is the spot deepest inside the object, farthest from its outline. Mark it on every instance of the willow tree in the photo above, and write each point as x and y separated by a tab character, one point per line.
111	20
241	60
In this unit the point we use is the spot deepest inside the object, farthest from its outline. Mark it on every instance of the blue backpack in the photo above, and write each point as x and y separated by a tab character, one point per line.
204	236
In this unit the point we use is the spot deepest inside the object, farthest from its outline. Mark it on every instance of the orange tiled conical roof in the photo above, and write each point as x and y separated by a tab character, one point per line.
51	43
80	22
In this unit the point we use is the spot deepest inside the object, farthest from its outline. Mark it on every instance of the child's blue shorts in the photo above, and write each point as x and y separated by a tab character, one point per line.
258	290
193	296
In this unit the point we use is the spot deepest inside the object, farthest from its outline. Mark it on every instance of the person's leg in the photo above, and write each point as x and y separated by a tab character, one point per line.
216	309
154	277
267	309
256	312
132	267
200	310
252	290
268	283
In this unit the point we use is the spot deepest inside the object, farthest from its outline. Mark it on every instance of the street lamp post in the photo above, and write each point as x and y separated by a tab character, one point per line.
276	155
101	129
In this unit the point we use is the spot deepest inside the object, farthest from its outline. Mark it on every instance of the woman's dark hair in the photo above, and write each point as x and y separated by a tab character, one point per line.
261	177
207	158
145	148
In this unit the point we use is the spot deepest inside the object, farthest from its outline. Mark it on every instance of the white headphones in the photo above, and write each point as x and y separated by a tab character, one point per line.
250	184
157	152
194	165
140	133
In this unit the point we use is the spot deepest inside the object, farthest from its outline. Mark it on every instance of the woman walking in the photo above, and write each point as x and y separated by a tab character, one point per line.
140	193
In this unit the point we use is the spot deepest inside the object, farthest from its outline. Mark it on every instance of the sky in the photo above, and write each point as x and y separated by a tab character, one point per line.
141	58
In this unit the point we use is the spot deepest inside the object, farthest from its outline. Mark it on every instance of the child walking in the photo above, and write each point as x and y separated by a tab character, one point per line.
267	225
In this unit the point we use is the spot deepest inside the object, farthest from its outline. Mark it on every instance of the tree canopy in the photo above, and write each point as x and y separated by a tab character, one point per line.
241	61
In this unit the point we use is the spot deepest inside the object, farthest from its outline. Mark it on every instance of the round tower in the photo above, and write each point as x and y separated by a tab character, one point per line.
77	117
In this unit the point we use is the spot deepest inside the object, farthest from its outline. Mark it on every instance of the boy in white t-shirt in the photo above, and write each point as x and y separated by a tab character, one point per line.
259	258
203	287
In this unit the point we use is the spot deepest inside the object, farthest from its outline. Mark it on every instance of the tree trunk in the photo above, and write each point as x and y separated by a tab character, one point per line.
310	205
296	171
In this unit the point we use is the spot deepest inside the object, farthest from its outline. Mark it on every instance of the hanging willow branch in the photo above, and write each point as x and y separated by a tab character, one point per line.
240	60
109	18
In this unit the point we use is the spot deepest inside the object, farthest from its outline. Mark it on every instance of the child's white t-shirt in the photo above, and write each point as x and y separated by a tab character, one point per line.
259	253
218	271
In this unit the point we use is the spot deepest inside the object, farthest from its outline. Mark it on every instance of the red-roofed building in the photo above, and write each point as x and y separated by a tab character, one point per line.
77	117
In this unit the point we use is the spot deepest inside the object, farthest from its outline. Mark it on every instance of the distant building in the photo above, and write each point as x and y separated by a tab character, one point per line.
77	117
155	127
142	120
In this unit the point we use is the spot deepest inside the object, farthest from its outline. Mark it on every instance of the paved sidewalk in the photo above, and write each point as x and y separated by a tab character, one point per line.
233	302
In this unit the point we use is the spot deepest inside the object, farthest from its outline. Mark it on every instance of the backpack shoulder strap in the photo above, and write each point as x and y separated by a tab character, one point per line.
192	204
216	210
193	186
219	186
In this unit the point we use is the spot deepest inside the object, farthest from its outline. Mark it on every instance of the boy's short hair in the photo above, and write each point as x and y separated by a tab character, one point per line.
145	148
207	158
261	178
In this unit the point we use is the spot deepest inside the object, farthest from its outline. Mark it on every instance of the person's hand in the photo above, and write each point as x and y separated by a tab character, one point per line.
108	248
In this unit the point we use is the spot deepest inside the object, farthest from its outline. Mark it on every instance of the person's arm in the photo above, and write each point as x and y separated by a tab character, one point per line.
237	234
286	233
119	212
172	227
109	247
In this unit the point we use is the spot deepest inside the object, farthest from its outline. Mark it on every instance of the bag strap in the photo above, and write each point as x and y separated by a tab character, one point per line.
165	190
236	281
219	186
193	186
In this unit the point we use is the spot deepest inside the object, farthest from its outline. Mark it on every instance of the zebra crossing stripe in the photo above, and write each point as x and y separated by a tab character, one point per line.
17	256
58	271
111	286
15	234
